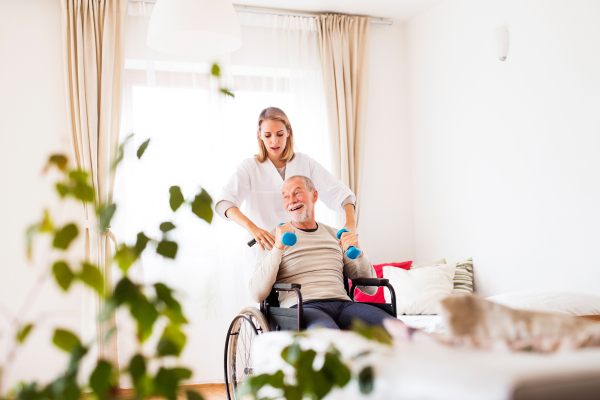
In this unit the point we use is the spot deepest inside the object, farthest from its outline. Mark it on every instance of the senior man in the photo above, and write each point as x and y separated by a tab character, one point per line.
317	261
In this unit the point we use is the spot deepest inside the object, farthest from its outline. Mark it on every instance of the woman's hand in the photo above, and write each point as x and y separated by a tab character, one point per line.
349	239
262	237
281	229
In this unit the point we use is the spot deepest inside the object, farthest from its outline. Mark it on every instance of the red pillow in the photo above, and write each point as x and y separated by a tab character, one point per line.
378	297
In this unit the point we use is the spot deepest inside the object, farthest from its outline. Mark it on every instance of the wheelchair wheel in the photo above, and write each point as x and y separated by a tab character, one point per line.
248	324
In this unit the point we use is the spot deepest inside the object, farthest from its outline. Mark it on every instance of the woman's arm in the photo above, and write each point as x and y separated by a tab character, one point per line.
350	220
260	235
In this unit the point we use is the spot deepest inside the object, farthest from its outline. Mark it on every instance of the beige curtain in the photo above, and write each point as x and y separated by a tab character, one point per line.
344	47
93	37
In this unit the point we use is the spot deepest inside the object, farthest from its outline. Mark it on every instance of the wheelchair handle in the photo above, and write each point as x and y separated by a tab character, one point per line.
352	251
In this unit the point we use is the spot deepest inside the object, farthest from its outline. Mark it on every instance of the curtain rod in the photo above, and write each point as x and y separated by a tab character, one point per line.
283	12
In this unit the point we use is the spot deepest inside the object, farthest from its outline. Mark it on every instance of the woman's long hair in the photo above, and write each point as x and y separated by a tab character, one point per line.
275	114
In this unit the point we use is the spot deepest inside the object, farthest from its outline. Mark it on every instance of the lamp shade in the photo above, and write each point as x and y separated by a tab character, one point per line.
194	27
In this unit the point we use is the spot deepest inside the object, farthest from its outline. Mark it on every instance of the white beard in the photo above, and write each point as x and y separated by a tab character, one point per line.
303	216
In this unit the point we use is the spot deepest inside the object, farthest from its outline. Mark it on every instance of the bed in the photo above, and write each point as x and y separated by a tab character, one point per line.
435	372
432	371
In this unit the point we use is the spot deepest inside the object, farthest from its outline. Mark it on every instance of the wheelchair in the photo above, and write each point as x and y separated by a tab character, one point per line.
251	322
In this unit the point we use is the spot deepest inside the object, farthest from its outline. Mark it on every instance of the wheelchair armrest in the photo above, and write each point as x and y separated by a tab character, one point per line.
286	286
369	282
375	282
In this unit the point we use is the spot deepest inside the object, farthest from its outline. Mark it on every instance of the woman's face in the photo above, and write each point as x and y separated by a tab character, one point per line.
274	135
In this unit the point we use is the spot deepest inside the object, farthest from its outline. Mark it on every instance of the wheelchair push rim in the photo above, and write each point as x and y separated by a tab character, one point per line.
248	324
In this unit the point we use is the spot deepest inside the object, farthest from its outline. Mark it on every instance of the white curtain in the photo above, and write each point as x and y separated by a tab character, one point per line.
93	41
197	139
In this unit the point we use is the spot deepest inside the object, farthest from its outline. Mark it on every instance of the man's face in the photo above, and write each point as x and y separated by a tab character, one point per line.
298	201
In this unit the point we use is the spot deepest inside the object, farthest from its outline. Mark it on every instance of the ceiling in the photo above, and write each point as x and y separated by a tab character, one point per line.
398	10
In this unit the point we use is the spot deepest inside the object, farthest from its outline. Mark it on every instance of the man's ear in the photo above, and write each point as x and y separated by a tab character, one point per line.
315	196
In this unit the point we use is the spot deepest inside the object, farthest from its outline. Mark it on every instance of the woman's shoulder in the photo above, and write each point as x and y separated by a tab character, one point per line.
250	162
303	158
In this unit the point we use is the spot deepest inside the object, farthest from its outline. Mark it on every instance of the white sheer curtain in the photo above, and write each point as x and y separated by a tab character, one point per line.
197	139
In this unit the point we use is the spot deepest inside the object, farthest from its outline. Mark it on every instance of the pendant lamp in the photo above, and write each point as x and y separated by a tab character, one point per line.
194	27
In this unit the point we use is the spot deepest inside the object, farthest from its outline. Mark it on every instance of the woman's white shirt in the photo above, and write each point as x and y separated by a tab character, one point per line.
258	186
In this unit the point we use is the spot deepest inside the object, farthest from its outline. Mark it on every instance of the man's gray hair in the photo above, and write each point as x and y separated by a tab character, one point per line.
308	184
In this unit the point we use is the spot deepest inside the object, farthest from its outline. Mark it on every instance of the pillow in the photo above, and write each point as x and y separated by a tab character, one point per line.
378	297
557	302
428	264
463	277
418	291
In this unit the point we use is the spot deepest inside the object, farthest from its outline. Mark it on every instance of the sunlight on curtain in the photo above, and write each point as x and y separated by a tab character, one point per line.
197	139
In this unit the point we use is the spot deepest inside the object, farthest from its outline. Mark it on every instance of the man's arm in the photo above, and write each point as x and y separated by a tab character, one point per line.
265	273
360	267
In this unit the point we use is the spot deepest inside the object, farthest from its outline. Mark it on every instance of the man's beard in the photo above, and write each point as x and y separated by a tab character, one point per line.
303	216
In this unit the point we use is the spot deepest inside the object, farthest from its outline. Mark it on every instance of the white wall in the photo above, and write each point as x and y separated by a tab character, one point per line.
506	154
386	219
33	124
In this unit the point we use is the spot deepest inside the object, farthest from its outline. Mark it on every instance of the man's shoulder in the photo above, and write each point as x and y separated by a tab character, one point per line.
328	229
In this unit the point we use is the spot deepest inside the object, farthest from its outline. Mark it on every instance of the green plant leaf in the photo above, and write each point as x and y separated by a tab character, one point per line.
193	395
254	383
144	313
60	160
173	308
166	248
215	70
141	242
167	381
228	93
65	236
77	354
77	186
166	227
101	378
91	276
143	384
125	256
62	190
142	149
366	380
24	332
78	175
137	367
32	231
63	275
120	152
105	214
375	333
125	291
65	340
201	206
171	342
176	197
46	225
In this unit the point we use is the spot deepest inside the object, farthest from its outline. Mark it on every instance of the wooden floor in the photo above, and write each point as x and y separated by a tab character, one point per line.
210	391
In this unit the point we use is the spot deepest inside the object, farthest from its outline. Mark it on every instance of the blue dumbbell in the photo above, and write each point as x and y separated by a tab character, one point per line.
352	251
288	238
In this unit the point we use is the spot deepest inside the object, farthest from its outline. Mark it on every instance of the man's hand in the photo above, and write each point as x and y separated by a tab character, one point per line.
281	229
349	239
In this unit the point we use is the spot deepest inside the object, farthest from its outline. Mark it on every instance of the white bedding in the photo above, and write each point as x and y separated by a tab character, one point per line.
413	371
427	323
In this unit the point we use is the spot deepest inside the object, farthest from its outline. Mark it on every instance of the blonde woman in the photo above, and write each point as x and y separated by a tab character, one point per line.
258	182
